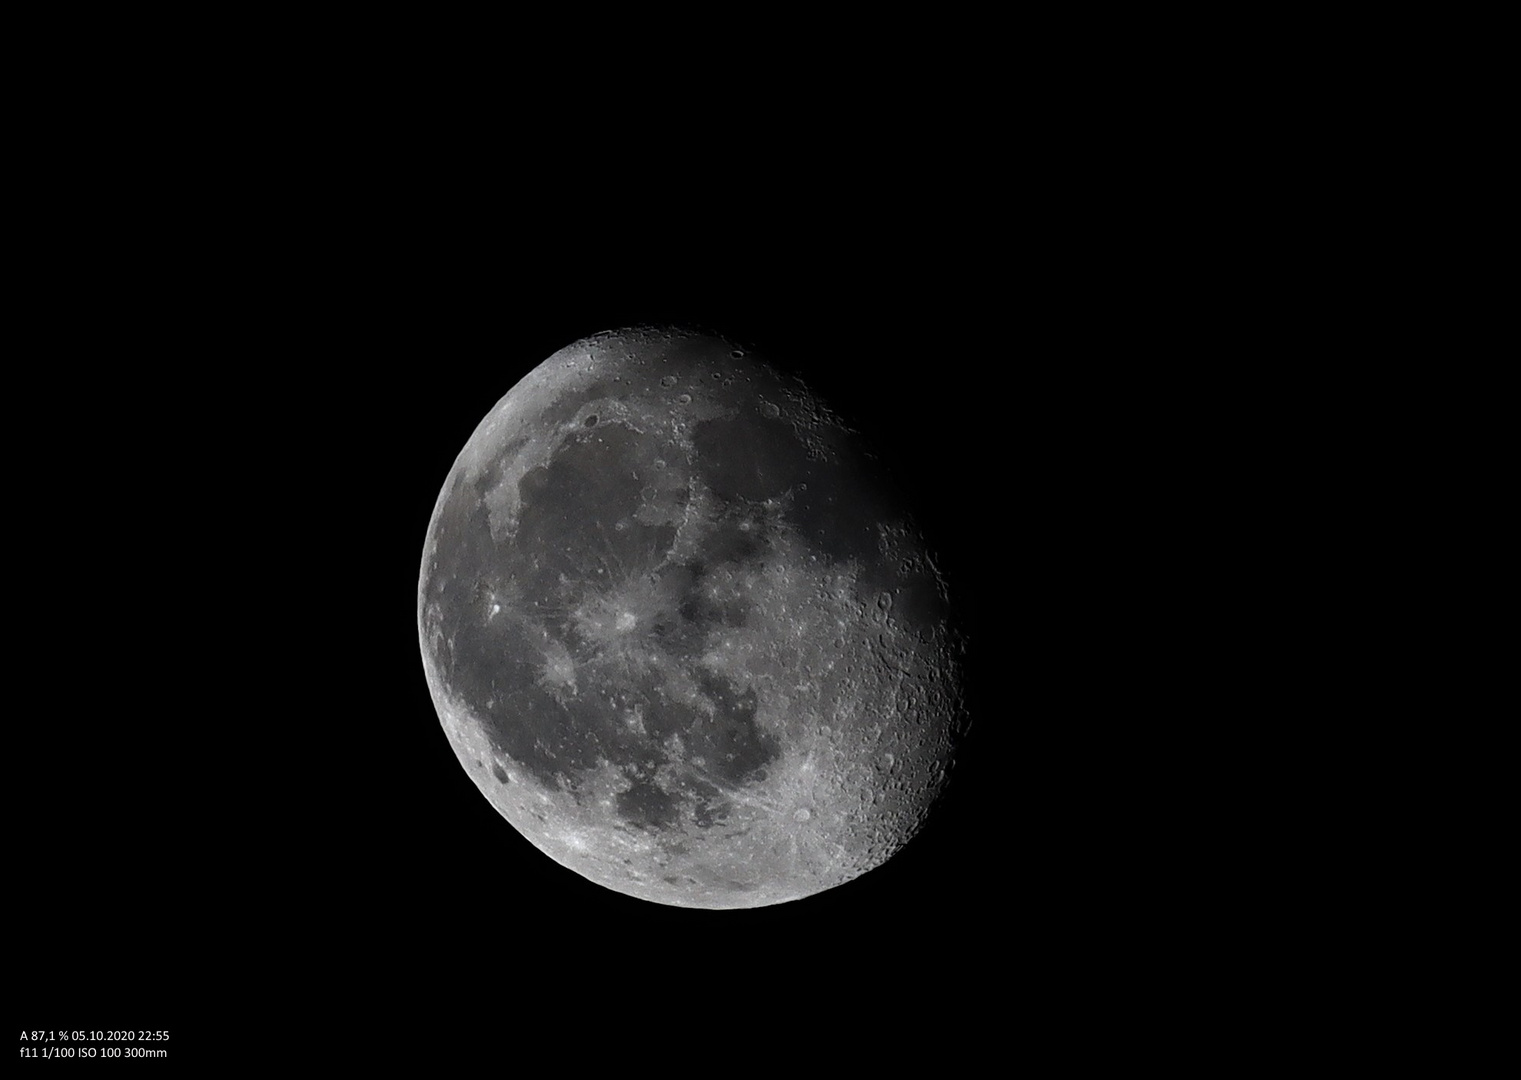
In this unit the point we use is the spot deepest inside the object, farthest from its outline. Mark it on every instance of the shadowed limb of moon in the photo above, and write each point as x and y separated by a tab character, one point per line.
681	631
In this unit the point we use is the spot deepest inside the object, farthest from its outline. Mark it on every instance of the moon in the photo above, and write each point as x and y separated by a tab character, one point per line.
681	629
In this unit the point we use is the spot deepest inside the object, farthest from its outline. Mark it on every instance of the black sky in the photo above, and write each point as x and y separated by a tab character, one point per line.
261	789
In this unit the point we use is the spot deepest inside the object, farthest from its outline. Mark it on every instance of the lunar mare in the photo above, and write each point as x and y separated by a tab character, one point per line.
680	630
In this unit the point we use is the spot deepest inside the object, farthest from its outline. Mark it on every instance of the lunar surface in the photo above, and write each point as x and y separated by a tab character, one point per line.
681	630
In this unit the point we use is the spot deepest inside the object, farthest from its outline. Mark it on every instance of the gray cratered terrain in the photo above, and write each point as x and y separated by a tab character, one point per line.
681	631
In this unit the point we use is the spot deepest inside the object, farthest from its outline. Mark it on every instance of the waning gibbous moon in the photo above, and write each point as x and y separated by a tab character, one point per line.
682	631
